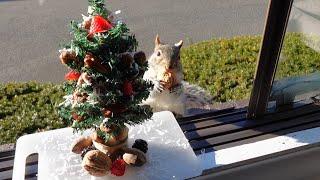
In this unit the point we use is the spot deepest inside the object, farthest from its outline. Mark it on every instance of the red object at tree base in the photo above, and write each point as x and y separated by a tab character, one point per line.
98	25
118	167
72	76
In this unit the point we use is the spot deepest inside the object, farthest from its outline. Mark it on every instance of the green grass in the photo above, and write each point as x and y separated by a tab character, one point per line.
225	67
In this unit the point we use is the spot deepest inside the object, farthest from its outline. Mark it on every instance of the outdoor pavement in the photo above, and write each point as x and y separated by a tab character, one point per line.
31	31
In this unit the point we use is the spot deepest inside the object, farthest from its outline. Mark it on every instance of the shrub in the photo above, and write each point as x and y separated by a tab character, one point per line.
27	108
224	67
297	58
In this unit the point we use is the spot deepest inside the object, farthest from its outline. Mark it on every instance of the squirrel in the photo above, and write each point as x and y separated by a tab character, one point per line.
170	92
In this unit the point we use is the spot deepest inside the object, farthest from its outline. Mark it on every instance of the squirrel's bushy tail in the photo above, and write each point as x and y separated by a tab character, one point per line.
196	97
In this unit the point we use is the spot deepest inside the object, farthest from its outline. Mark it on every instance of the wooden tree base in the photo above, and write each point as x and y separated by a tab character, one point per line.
110	149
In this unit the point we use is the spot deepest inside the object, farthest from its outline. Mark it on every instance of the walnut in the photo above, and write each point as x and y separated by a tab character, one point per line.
96	163
80	144
169	79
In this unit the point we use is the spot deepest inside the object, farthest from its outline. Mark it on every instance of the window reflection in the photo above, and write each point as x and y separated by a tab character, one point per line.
298	77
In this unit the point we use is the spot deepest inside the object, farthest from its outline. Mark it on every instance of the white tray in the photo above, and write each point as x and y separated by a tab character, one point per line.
169	156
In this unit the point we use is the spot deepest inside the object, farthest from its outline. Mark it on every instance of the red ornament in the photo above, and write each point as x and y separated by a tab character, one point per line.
118	167
98	25
127	88
72	76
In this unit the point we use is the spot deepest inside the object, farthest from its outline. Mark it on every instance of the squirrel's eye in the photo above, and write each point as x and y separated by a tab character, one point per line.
158	53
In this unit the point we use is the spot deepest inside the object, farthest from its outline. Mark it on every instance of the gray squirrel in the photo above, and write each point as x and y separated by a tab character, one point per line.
170	92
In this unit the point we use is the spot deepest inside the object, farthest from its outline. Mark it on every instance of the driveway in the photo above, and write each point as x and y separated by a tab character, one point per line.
32	30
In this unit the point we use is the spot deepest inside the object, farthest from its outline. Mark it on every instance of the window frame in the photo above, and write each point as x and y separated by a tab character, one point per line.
275	28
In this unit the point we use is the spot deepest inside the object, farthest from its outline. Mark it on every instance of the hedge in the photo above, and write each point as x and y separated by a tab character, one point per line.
27	108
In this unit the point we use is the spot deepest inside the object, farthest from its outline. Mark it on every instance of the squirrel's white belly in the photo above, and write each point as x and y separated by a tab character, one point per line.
163	101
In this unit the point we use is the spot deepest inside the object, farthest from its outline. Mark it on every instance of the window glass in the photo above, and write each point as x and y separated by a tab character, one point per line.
297	75
221	42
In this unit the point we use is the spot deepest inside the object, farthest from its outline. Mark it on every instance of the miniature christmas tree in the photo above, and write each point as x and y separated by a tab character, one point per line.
104	86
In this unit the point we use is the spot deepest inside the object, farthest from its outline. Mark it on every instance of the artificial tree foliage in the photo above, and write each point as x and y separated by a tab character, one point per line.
103	86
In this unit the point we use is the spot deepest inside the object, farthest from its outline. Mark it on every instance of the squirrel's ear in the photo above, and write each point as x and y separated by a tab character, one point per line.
157	41
179	44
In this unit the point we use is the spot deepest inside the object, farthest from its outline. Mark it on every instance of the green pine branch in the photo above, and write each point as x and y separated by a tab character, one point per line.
98	8
106	89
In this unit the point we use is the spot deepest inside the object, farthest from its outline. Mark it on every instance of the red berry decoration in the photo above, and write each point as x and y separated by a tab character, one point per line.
118	167
98	25
72	76
76	117
127	88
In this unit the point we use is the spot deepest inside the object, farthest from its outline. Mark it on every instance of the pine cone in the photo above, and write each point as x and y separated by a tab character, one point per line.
133	71
76	117
140	58
107	113
95	63
84	78
80	97
126	60
86	24
67	56
116	108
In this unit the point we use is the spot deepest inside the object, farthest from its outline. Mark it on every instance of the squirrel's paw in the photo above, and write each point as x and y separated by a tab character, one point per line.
159	86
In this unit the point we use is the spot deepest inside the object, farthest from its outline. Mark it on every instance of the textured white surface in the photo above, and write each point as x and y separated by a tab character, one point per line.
169	156
260	148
